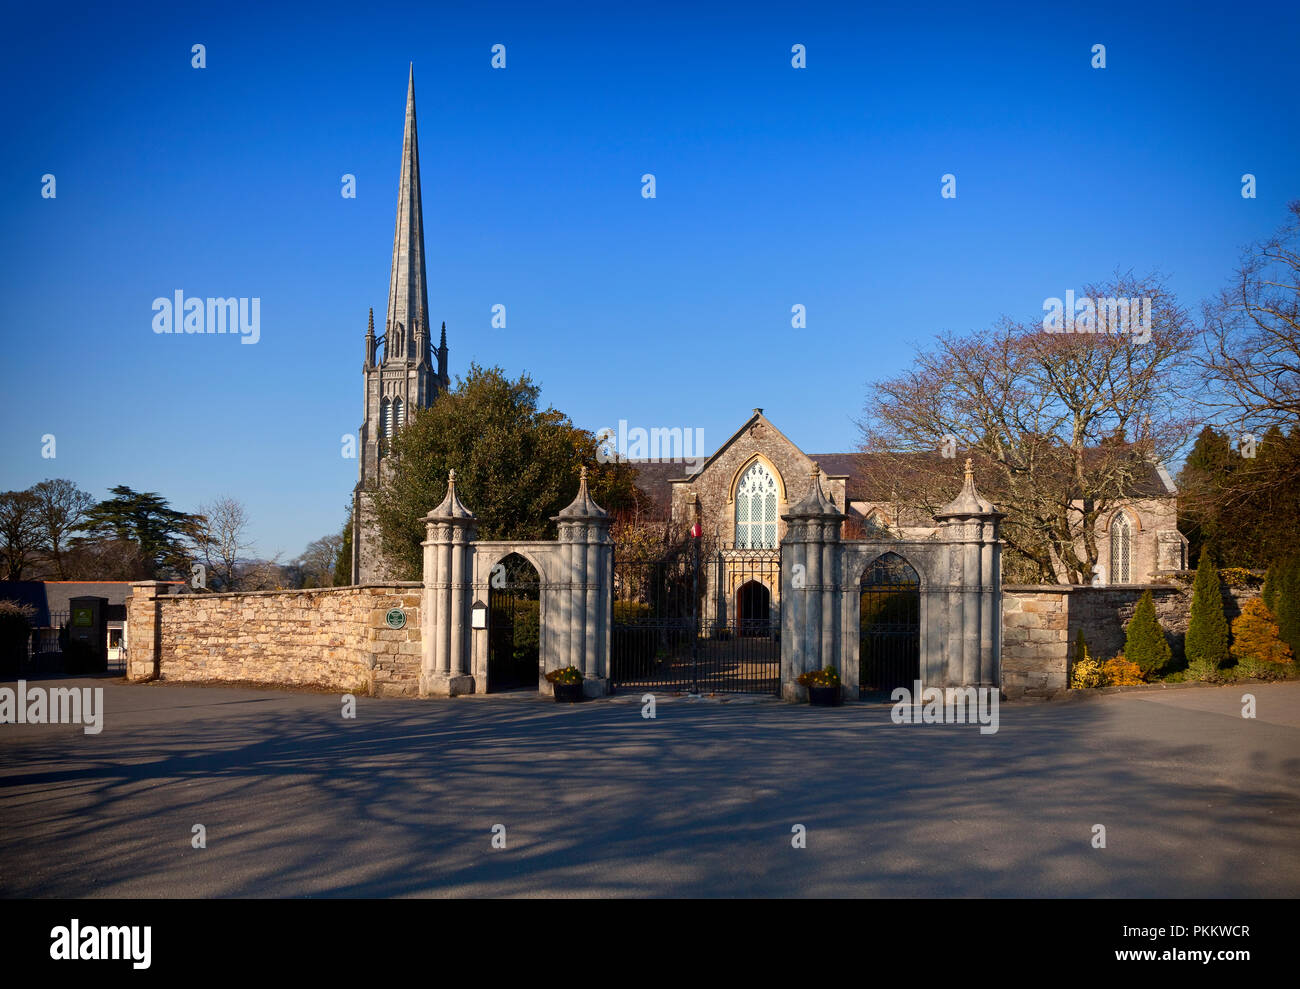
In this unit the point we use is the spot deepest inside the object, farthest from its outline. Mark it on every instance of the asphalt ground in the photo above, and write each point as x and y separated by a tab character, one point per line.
596	800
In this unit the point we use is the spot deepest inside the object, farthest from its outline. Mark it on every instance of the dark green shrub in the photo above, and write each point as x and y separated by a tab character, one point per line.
1144	640
15	631
1282	596
1207	633
630	611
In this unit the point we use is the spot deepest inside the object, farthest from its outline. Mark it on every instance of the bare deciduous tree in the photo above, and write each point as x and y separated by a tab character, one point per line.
318	560
61	509
1252	339
20	530
1061	425
263	575
219	540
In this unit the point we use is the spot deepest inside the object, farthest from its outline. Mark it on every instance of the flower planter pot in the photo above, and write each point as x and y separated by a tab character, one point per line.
825	696
568	693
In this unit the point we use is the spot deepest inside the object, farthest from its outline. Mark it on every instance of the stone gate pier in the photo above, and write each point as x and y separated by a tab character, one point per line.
575	577
960	592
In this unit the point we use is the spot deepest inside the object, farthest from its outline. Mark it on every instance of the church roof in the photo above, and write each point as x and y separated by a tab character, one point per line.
408	294
865	478
654	479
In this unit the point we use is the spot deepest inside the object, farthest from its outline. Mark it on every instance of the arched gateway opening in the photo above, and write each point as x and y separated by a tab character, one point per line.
754	609
514	629
889	649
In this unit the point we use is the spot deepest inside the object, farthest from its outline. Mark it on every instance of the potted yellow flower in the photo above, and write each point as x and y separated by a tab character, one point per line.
567	684
823	687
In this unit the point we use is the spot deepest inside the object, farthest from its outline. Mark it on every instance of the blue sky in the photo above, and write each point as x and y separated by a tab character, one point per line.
775	186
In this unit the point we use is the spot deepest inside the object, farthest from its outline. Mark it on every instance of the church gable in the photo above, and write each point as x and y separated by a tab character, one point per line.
709	496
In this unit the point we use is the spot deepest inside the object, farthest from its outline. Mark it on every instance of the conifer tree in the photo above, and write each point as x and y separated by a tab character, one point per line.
1255	640
1207	632
1282	596
1145	642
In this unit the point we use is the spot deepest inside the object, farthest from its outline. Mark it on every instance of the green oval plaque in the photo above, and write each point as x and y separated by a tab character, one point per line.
396	618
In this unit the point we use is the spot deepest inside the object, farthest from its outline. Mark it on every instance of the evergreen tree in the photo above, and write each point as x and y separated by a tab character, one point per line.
1206	473
1144	641
343	565
516	466
1282	597
144	520
1255	637
1241	497
1207	633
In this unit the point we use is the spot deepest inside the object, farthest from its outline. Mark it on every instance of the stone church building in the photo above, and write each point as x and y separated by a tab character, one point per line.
738	496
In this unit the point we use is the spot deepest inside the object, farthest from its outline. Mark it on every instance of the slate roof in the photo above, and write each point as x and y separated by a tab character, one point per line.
53	596
654	477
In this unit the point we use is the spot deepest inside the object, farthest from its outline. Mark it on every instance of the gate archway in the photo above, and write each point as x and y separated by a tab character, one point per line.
889	651
754	609
514	625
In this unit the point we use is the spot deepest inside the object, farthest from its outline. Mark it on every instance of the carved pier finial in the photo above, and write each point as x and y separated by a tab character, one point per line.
582	474
970	467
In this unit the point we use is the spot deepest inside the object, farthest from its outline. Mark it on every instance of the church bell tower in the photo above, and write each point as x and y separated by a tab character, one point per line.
411	371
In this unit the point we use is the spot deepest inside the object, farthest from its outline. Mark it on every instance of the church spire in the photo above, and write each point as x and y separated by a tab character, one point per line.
442	357
408	296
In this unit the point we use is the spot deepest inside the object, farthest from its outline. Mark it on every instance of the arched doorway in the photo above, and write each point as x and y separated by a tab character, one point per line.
514	625
753	609
889	647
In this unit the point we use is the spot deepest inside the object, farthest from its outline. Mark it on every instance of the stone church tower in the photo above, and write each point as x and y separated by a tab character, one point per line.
411	371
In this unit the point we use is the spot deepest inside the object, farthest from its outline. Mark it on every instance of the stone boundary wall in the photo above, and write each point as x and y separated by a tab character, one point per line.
331	637
1035	640
1041	622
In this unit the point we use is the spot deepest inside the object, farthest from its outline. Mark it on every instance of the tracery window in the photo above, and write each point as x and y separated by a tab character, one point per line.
1121	550
756	508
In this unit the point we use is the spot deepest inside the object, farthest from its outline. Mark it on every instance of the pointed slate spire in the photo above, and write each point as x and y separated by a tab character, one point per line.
968	500
815	501
583	506
408	294
450	507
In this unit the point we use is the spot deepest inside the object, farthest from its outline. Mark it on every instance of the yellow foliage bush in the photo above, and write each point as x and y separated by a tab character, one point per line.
1086	673
1240	577
1255	636
1121	672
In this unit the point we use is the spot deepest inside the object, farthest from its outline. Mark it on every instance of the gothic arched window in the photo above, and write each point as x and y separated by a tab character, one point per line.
399	413
386	418
1121	550
756	508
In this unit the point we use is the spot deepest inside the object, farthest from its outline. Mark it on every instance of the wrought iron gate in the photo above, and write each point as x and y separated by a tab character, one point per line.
701	618
889	650
514	625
